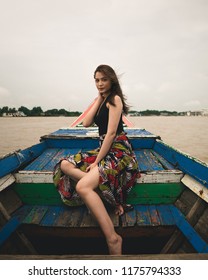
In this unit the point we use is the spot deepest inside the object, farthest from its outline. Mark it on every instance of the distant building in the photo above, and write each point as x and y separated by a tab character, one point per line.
205	112
16	114
194	113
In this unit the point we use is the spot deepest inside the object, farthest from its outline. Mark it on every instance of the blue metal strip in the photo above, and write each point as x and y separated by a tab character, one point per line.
193	237
8	229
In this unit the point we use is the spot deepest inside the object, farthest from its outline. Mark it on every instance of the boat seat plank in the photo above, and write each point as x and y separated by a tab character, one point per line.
165	215
163	161
147	161
51	216
67	217
148	215
35	215
39	163
129	219
143	215
155	219
62	153
22	212
79	217
87	220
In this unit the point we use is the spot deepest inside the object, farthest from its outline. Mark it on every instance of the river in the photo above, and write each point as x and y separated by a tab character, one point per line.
188	134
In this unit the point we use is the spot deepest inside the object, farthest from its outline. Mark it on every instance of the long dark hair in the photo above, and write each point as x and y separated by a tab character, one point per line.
115	86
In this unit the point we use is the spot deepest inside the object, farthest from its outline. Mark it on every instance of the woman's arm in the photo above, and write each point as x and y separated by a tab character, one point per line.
89	119
113	121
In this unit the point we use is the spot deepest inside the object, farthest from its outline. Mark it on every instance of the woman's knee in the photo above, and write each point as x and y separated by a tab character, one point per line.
80	188
65	164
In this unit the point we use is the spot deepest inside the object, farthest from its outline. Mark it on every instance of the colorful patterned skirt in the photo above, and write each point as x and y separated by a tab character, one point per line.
118	172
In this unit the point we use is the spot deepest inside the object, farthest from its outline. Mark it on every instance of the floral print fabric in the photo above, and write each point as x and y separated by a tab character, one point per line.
118	172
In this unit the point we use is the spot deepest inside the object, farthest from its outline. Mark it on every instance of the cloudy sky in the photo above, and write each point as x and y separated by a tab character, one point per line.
49	50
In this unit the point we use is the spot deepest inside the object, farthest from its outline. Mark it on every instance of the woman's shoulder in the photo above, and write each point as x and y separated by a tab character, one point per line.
116	101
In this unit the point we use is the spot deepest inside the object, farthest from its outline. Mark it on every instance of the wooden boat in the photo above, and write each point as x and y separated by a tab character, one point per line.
170	199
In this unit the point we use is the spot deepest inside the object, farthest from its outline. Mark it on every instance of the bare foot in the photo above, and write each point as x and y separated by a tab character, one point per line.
119	210
115	245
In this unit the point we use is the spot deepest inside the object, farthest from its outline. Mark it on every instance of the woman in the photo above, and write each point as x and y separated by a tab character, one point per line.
110	170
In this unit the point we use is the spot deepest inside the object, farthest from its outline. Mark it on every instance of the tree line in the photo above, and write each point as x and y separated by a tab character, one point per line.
37	111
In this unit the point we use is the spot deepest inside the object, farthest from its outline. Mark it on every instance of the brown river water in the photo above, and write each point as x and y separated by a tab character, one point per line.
188	134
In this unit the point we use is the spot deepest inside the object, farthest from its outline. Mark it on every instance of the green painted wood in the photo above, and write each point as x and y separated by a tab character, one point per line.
40	193
151	193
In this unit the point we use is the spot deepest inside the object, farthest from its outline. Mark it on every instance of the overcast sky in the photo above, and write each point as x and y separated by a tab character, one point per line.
49	50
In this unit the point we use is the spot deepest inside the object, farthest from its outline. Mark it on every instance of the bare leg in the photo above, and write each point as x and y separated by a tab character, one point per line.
69	169
85	188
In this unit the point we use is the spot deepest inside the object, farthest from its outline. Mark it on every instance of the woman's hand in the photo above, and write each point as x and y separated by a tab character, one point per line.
91	166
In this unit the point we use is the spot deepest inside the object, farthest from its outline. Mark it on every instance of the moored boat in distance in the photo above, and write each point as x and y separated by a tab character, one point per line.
170	199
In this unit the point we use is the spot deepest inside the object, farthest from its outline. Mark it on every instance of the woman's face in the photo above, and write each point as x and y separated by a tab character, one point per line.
103	83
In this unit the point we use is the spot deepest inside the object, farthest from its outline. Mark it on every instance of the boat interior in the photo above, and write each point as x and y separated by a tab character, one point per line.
167	218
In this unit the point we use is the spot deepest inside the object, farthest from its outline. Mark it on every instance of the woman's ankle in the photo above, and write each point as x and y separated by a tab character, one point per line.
115	244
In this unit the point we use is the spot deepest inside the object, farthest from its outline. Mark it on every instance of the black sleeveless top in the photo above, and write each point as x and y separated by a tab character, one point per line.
101	120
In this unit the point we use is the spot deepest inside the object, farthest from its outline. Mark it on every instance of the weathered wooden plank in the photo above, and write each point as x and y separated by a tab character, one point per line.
184	162
155	220
147	161
22	212
64	217
51	216
165	215
76	216
162	176
6	181
192	236
143	216
166	165
36	177
39	163
202	225
192	217
129	219
38	194
61	153
10	200
195	186
20	235
152	193
35	215
87	220
8	229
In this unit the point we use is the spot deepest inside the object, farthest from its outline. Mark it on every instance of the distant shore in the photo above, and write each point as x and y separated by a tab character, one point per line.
38	112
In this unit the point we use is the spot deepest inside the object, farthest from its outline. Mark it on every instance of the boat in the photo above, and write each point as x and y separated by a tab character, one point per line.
170	199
